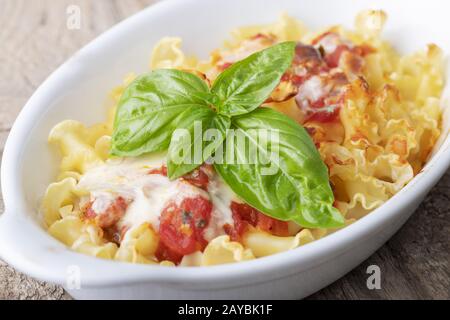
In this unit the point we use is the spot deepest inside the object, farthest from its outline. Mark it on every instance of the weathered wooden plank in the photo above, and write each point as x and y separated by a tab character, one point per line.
34	40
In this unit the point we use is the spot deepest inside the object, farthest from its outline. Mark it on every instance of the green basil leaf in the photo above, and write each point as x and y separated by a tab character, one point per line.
248	83
203	132
152	107
298	189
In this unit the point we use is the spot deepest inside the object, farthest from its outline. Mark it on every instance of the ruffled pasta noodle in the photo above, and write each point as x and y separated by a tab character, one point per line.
388	123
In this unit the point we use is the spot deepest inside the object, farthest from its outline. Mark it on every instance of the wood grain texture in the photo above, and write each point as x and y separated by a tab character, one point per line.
34	40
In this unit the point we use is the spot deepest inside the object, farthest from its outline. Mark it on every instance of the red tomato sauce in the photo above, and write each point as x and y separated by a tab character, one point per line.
244	215
182	226
110	216
198	177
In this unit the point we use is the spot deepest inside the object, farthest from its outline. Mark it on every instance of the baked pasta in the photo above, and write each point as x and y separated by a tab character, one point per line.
371	115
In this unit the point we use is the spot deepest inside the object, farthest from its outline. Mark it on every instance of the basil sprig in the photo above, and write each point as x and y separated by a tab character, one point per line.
154	105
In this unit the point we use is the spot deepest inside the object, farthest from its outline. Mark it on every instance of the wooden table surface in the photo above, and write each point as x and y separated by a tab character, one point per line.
34	41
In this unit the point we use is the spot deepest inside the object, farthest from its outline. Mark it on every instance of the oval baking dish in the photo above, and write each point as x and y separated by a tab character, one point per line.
83	81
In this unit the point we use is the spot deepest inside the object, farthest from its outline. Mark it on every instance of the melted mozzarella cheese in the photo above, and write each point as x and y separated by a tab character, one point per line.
311	90
152	198
101	201
329	43
221	196
148	194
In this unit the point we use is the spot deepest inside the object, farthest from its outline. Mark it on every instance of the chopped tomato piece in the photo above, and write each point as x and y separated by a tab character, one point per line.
235	232
163	252
286	76
162	171
364	50
244	215
297	80
322	36
311	131
198	178
224	66
110	216
324	114
273	226
182	225
334	45
319	103
308	60
332	58
245	212
89	213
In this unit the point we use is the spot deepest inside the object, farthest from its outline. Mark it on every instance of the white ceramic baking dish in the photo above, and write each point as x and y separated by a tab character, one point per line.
77	90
